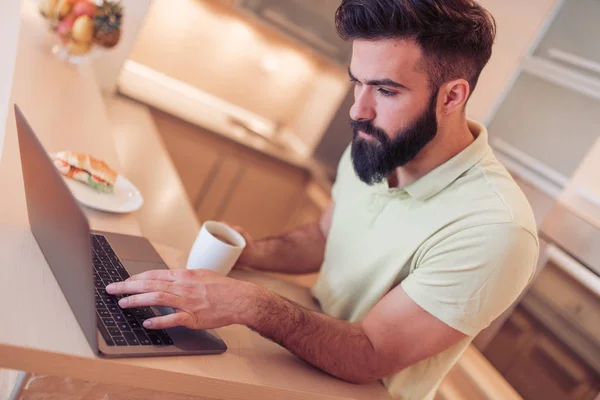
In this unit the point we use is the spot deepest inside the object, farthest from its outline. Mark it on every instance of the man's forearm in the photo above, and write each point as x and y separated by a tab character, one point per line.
337	347
298	252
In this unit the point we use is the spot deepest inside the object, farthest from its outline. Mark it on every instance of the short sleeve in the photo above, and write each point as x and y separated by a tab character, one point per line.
469	278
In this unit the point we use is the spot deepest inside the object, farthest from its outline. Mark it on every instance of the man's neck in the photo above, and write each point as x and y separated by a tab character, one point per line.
448	142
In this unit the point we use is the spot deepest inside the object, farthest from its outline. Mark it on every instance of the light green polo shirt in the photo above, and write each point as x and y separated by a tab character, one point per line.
461	241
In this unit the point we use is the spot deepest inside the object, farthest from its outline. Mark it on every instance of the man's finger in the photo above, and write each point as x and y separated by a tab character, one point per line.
138	286
169	321
159	299
157	275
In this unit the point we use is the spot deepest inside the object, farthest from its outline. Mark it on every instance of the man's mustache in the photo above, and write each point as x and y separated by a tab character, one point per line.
368	128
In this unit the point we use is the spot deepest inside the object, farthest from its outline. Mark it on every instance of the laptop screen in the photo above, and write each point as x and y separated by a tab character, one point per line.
59	227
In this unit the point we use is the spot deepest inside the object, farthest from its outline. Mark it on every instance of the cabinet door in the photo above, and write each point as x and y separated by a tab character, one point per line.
215	195
514	339
549	371
193	153
265	197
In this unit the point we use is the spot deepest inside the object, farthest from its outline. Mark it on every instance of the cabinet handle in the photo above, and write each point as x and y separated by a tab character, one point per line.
574	269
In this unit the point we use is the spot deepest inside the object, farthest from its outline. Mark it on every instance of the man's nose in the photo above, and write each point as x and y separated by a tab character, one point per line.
362	109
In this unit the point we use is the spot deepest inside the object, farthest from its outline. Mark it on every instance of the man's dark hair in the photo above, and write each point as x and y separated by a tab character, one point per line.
456	36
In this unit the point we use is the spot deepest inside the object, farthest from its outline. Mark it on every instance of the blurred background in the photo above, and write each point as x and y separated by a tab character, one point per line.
239	109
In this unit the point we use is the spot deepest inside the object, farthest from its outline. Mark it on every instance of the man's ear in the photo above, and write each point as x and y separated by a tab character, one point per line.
455	95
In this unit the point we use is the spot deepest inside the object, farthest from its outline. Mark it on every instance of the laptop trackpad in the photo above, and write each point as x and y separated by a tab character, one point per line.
137	267
134	248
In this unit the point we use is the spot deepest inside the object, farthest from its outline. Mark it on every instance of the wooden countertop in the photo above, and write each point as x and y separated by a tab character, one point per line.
40	334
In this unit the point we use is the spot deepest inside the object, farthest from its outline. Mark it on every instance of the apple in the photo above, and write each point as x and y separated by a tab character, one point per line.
63	8
84	7
65	26
83	29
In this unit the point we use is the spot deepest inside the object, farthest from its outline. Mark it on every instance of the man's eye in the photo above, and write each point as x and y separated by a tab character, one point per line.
386	93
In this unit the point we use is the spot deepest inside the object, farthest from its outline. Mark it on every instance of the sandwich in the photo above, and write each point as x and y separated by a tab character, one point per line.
86	169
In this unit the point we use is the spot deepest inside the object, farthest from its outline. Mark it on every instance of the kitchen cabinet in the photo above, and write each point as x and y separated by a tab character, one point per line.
549	116
228	181
264	198
195	160
537	364
569	37
549	347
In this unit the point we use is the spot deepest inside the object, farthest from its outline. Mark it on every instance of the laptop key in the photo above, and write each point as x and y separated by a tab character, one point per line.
148	312
99	304
142	337
103	312
155	339
164	336
129	315
124	326
119	318
109	300
114	331
114	309
138	312
112	272
99	284
134	325
109	321
131	339
105	334
99	267
120	341
103	274
118	265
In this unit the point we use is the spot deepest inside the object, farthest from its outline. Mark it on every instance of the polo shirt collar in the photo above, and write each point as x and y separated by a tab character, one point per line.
441	177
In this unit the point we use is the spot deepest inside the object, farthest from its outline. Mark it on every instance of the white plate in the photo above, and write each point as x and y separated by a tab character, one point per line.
125	197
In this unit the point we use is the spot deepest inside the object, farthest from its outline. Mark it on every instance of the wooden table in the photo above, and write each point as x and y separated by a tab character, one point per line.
38	331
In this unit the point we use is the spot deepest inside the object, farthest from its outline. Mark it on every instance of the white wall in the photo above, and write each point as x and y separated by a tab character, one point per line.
519	25
108	66
9	32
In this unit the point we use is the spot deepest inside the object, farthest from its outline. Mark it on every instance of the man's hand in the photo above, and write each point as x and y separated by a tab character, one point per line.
202	299
246	258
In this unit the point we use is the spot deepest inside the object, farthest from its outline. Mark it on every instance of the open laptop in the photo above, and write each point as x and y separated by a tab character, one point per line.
84	262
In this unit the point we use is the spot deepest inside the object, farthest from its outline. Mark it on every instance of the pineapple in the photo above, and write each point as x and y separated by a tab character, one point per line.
108	23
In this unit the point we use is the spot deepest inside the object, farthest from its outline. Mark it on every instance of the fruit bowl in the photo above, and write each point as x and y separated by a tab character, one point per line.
82	27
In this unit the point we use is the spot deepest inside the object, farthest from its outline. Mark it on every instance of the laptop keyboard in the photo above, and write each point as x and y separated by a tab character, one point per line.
119	327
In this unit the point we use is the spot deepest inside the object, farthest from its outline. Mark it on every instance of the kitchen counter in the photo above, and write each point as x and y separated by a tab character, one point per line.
190	104
65	108
203	110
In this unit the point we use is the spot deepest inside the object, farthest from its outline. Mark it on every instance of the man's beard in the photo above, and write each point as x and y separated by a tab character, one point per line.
375	160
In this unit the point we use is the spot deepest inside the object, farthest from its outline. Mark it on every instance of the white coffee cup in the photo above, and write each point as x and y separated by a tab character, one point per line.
214	253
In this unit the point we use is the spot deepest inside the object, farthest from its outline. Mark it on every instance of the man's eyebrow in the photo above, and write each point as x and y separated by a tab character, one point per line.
379	82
